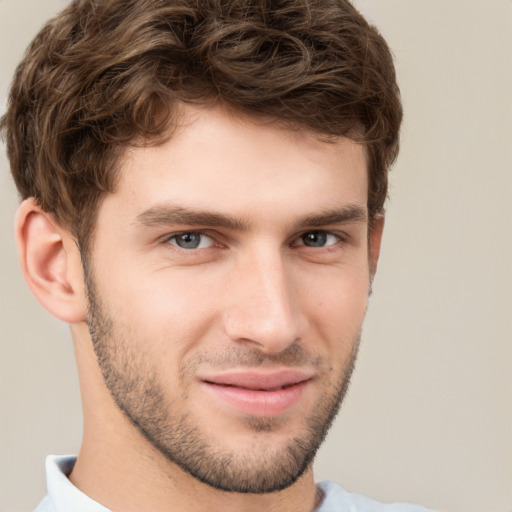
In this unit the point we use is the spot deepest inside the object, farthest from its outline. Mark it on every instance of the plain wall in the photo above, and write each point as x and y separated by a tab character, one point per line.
428	418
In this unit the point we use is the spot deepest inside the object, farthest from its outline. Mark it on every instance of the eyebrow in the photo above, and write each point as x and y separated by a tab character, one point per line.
348	214
163	214
168	215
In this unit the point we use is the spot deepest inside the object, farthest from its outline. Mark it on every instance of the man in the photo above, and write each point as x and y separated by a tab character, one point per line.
203	186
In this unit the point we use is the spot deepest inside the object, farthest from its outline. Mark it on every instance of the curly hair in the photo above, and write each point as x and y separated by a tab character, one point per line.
105	74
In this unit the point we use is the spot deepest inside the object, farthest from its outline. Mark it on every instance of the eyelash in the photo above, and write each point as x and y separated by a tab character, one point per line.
174	236
339	238
319	233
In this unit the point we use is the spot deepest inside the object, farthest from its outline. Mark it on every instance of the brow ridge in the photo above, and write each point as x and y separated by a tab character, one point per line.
169	215
345	215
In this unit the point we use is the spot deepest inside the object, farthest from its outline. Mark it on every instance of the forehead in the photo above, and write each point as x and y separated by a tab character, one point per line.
216	160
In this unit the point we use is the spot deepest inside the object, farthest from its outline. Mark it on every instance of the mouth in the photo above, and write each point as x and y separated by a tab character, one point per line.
266	389
261	393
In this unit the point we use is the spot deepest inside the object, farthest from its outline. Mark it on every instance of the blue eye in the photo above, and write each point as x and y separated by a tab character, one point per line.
318	239
191	240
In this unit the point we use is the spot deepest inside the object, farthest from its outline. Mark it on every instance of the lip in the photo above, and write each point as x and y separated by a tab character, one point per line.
262	393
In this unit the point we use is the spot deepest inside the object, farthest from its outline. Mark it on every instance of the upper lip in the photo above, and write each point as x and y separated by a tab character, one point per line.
259	379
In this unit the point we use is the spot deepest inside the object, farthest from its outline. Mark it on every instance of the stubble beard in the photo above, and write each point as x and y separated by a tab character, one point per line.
135	388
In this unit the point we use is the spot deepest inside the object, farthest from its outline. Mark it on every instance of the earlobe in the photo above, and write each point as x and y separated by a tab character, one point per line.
375	239
50	262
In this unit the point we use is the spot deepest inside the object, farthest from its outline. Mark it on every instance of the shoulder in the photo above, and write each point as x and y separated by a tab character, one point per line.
336	498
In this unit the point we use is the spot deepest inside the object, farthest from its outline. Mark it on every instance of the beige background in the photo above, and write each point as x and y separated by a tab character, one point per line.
429	415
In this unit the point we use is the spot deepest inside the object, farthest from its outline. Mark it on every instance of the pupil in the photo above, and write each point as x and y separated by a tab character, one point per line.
188	240
315	239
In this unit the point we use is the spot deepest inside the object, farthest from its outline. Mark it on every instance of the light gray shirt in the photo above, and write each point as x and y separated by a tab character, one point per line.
63	496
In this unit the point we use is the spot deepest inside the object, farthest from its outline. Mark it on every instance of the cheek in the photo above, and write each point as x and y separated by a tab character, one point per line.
338	304
166	313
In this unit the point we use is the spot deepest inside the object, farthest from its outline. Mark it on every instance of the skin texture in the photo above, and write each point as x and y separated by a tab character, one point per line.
278	283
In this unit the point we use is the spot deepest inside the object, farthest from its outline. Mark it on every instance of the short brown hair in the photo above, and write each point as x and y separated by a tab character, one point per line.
106	73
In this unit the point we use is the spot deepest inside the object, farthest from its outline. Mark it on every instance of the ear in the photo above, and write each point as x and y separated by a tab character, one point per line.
50	262
374	240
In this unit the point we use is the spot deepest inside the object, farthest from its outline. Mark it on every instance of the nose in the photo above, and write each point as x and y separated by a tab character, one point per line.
264	308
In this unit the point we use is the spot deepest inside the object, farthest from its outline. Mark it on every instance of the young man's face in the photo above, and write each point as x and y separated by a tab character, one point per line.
228	282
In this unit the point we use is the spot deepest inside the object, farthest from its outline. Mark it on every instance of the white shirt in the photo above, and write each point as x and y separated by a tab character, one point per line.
63	496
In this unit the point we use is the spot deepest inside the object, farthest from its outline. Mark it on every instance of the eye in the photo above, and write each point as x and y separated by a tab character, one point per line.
318	239
191	240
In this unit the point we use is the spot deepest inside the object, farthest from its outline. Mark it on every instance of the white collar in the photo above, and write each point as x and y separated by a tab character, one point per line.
63	495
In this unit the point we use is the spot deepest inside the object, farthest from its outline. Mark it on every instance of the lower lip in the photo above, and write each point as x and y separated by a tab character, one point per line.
259	403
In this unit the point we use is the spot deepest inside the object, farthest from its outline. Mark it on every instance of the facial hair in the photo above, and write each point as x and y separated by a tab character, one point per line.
132	380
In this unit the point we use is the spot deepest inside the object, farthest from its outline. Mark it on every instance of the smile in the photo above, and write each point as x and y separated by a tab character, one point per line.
259	393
